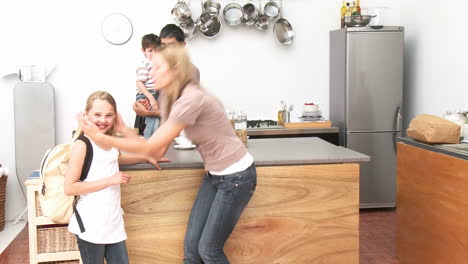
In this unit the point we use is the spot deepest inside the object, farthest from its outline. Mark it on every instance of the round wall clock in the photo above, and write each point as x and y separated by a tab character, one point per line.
117	29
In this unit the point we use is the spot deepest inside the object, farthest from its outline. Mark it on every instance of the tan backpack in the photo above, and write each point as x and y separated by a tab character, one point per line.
55	204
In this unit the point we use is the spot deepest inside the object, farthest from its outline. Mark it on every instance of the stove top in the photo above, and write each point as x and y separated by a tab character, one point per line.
262	124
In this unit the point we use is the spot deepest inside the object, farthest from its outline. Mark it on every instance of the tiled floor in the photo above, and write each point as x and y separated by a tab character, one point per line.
377	236
377	240
17	252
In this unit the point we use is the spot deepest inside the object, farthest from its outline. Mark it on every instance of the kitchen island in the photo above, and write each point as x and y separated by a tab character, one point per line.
305	209
432	203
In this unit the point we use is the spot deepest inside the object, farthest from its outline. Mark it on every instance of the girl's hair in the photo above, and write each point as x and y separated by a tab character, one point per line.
105	96
178	61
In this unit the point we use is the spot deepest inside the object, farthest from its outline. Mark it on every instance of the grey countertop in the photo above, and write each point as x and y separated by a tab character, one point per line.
289	131
269	152
439	148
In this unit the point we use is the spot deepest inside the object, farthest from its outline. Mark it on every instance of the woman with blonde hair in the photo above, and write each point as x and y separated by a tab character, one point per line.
231	176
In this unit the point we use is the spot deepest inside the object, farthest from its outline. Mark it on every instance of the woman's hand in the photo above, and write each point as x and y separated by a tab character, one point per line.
119	125
164	160
89	128
155	162
119	178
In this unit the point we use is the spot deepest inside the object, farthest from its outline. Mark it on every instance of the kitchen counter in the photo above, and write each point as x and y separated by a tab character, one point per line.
432	203
289	131
305	209
329	134
269	152
438	148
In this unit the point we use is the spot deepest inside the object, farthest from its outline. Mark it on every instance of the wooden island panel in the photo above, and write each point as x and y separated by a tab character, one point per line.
298	215
432	207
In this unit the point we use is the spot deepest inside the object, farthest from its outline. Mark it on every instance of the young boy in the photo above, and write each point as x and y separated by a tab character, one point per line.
145	84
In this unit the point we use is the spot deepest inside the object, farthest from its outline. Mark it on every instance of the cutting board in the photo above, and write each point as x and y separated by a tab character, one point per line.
314	124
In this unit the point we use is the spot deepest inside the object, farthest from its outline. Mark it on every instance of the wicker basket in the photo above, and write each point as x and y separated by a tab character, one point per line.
55	239
3	181
38	204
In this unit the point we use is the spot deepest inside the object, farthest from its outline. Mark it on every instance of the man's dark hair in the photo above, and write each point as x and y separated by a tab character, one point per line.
172	31
150	41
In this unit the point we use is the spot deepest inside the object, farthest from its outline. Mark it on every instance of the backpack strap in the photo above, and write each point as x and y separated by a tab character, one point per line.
84	173
88	157
41	170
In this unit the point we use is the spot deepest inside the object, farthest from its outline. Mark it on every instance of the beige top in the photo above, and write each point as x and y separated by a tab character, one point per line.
207	126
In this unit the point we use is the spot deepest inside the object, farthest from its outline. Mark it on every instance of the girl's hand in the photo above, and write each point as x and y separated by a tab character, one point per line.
119	178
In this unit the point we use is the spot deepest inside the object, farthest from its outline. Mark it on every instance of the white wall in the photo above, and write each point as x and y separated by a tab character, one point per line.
436	57
246	68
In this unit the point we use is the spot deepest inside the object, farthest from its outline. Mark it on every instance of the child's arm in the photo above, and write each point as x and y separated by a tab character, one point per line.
141	110
141	86
73	186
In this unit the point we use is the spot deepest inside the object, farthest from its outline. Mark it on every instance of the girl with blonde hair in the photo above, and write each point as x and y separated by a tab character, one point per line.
98	222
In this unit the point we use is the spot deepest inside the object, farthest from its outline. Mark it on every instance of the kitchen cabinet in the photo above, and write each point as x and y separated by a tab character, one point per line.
432	204
305	209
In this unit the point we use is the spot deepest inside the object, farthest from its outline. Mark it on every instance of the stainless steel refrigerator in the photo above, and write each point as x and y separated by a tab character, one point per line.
366	90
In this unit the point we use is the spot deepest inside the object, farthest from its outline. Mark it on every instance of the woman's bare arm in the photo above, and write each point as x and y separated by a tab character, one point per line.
155	147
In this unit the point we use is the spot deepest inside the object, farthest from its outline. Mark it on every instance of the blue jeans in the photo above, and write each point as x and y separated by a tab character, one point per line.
152	122
217	208
95	253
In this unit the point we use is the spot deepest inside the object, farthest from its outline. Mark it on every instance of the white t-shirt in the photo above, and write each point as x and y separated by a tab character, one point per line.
101	211
239	166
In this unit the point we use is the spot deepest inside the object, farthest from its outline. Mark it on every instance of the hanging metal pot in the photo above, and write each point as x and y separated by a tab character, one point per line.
283	30
262	21
181	11
233	14
271	9
211	7
209	26
250	16
188	27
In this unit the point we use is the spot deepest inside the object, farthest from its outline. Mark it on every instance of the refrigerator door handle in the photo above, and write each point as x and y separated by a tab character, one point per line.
397	126
398	119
